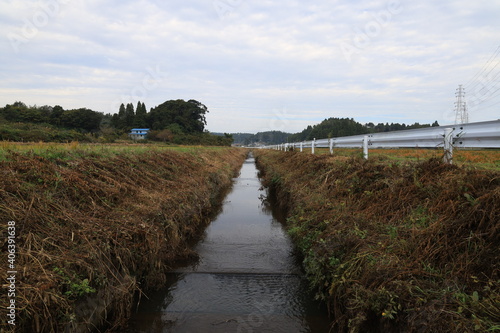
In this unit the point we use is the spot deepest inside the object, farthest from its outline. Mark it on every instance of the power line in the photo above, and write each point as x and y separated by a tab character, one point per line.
488	106
484	78
483	87
487	100
484	94
494	55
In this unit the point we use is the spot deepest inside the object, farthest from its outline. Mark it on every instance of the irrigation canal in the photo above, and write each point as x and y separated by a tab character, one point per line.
247	279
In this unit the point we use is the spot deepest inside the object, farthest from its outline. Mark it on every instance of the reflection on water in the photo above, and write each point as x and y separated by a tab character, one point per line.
247	278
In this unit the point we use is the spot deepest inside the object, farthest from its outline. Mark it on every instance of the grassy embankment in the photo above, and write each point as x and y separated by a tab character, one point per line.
486	158
11	131
97	224
394	246
75	149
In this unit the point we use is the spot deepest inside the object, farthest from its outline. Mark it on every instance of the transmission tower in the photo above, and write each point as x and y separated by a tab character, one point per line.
461	115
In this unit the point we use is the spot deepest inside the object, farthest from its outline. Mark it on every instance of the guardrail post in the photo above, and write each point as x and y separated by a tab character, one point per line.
448	146
301	147
313	144
331	146
365	147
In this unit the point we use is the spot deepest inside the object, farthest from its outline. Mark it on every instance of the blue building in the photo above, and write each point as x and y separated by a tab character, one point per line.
138	133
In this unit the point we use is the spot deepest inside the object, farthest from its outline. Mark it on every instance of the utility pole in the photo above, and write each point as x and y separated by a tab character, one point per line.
461	115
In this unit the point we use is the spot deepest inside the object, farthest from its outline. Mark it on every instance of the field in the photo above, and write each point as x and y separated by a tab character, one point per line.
397	243
73	150
486	158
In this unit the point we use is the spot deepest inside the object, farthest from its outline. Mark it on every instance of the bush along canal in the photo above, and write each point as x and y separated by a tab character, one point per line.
247	278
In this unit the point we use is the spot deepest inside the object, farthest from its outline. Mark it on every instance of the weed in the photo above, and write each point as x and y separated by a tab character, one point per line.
470	199
419	218
360	233
75	286
275	180
334	262
392	231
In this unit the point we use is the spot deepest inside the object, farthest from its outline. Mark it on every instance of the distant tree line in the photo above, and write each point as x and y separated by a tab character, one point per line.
381	127
83	119
269	137
175	121
339	127
328	128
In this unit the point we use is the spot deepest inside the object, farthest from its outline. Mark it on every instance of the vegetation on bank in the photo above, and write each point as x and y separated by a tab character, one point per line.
74	150
26	132
394	246
477	158
94	228
174	121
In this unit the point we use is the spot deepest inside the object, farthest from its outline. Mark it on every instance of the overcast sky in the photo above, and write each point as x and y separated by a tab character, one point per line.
257	64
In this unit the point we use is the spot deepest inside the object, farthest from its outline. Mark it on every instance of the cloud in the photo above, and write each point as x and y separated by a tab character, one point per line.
406	58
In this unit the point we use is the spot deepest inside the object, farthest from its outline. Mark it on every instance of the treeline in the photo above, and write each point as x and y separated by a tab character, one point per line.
339	127
269	137
175	121
82	119
381	127
328	128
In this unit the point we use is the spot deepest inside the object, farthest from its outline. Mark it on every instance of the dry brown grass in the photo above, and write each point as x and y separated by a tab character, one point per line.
93	230
485	158
394	247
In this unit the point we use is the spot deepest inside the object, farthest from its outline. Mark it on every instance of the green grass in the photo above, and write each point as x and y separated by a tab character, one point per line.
483	158
75	150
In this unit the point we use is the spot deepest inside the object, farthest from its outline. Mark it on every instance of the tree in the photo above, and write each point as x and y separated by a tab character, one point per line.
140	115
189	116
118	119
83	119
129	116
330	128
55	116
165	135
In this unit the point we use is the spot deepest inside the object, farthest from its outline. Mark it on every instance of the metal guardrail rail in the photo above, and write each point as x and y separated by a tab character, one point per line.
471	135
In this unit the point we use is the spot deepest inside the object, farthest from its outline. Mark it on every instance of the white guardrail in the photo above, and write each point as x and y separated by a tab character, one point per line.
472	135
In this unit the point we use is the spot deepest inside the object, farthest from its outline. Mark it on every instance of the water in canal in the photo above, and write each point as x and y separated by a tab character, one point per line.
247	279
